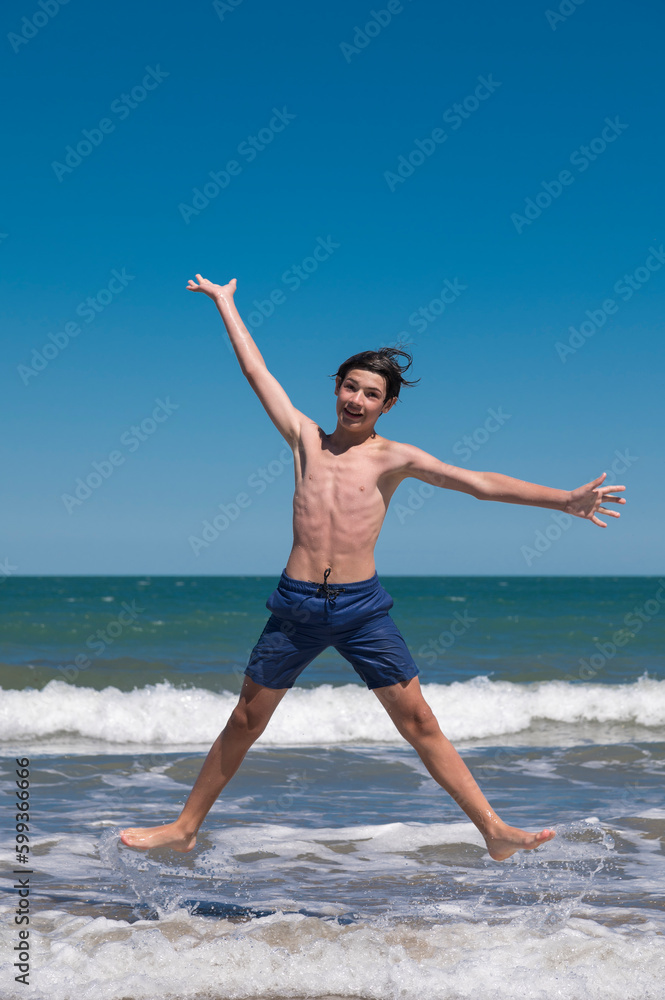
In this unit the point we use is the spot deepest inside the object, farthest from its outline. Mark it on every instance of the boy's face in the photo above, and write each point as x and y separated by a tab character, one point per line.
361	398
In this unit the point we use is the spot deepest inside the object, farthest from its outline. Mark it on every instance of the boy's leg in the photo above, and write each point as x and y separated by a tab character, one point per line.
246	723
416	722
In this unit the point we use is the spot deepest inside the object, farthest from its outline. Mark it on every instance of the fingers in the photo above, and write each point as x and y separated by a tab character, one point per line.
610	513
595	482
605	493
193	287
601	524
608	497
204	284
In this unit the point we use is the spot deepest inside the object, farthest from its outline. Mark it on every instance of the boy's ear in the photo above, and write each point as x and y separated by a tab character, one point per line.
388	405
338	382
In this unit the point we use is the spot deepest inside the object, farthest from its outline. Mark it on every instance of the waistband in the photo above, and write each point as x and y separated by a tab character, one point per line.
305	587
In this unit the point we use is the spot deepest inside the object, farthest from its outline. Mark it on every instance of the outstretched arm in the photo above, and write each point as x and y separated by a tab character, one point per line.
586	501
286	418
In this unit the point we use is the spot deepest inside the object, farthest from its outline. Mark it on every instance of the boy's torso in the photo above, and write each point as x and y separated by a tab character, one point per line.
339	505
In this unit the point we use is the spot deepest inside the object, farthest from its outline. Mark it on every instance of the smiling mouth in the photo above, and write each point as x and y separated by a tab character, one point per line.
350	413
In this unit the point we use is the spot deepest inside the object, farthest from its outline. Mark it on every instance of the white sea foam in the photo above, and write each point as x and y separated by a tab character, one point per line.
370	842
164	716
290	856
293	955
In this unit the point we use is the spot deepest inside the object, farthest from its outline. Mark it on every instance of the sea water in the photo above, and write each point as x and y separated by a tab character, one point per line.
333	866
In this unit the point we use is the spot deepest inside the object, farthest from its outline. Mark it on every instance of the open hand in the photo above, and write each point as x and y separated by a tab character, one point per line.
211	290
586	501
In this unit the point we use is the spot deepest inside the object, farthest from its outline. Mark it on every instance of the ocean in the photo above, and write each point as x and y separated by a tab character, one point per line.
333	866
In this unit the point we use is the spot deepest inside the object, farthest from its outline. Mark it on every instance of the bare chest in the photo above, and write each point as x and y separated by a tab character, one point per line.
346	483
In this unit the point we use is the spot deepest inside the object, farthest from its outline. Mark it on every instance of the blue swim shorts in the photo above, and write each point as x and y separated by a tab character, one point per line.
307	617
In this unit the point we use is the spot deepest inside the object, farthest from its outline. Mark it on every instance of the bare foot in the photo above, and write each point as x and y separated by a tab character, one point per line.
168	835
509	839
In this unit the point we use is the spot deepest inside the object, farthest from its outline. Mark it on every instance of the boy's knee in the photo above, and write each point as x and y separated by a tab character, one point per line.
245	724
239	722
420	721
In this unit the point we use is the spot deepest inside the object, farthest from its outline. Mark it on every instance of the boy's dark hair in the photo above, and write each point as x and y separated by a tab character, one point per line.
383	362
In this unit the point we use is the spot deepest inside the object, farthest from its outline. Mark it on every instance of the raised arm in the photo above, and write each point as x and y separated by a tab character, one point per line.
585	501
286	418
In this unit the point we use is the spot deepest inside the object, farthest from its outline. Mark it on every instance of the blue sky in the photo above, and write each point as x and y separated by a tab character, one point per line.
478	180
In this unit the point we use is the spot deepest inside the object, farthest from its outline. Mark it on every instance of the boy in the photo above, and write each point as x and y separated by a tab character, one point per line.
329	593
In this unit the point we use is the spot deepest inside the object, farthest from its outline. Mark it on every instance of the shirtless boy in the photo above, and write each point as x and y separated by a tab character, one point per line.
329	593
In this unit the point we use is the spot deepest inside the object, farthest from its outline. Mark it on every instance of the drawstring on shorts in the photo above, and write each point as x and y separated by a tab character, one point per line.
325	590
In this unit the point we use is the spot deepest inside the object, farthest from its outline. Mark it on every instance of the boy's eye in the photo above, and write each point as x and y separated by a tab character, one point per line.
371	393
